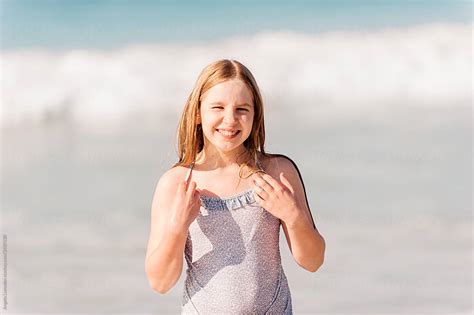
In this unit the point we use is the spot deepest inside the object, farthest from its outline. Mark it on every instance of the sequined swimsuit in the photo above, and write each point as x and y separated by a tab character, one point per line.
233	258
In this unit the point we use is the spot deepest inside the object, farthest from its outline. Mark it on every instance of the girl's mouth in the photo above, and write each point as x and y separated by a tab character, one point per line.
228	134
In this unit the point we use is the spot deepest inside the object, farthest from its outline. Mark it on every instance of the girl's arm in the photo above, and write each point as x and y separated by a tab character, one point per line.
165	263
164	257
306	244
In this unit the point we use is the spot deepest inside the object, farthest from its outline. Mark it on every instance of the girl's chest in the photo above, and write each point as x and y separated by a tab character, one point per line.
219	186
238	230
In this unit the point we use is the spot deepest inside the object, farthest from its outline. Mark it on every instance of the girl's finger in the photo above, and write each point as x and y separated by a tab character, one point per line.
261	192
191	189
197	194
182	187
262	183
258	198
271	181
285	181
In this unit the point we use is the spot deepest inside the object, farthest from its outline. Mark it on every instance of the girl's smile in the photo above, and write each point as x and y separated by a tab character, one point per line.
228	135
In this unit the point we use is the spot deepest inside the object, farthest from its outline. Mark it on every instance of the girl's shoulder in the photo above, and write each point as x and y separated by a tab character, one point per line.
274	163
174	175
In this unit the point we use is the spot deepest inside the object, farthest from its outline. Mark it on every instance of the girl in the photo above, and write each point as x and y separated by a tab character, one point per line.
223	202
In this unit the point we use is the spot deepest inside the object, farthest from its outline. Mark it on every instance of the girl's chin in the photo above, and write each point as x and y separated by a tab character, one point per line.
226	145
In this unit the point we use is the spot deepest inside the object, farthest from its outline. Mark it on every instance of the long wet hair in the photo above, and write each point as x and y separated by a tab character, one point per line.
190	137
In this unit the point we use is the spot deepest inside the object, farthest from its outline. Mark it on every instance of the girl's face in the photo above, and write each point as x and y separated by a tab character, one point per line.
227	112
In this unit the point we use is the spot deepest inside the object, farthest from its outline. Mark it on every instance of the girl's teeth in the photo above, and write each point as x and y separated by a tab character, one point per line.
227	133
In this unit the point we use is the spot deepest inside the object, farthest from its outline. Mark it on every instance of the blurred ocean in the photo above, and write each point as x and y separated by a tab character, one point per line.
372	100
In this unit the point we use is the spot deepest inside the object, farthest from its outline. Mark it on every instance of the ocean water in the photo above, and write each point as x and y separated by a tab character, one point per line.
333	74
371	99
115	23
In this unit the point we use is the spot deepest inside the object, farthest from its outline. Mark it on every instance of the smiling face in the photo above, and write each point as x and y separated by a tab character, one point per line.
227	113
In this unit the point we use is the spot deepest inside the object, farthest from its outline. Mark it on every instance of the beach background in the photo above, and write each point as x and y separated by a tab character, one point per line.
371	99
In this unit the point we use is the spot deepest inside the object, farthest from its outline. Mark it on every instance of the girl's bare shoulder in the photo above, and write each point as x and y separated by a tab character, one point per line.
274	163
173	176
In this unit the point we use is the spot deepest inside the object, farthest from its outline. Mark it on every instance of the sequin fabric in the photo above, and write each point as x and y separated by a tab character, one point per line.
233	260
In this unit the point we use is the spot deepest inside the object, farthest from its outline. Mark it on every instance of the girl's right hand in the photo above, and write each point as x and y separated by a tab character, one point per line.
185	207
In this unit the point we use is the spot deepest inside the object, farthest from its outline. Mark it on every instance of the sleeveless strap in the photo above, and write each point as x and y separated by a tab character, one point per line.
188	174
259	165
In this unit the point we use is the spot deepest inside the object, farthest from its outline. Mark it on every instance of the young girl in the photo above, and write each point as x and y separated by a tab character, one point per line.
223	202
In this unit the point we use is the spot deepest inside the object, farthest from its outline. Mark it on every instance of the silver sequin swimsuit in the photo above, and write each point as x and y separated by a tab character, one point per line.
233	258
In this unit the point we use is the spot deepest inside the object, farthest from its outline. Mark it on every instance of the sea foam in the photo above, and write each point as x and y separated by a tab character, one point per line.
339	72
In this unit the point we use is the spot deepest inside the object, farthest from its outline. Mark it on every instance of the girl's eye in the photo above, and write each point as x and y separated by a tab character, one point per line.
242	109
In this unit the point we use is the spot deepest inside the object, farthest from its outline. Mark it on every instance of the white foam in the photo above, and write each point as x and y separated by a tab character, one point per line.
335	72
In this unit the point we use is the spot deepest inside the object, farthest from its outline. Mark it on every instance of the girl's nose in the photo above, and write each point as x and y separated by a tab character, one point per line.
229	116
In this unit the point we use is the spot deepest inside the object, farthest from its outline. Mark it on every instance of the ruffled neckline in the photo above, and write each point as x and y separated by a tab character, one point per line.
239	200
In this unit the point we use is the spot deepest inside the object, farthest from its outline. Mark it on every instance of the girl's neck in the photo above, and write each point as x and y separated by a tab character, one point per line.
216	160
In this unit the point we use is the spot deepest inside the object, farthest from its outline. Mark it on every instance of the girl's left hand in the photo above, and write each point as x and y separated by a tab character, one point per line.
278	198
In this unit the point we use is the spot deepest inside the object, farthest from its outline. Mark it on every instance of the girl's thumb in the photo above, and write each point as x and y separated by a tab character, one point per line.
286	182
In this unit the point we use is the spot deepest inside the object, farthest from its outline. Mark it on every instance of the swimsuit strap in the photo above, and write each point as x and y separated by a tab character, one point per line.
259	165
189	171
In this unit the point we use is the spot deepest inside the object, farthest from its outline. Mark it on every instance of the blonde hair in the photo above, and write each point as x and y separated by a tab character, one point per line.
190	137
